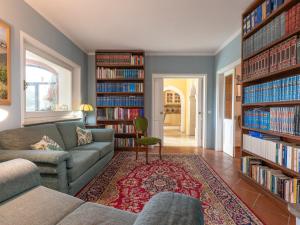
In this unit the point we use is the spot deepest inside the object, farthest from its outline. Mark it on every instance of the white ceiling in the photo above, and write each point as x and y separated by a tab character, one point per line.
156	26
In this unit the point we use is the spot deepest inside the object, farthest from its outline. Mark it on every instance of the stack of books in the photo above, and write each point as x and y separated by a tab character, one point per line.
120	101
122	128
124	142
275	181
119	59
287	89
118	114
120	87
106	73
257	119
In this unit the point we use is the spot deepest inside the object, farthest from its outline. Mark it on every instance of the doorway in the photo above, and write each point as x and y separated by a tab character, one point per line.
179	110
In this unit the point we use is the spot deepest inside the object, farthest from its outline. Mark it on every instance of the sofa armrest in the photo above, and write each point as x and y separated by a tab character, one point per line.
103	135
38	156
17	176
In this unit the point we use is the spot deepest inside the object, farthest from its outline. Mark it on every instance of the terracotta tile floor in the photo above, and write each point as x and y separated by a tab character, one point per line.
267	209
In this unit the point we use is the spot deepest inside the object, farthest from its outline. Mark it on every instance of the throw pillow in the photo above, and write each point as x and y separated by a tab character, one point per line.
46	144
84	136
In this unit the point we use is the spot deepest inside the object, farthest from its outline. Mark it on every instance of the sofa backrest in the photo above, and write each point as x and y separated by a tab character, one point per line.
22	138
16	177
68	132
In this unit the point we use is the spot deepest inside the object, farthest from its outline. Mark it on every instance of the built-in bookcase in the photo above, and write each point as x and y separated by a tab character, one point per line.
271	98
120	92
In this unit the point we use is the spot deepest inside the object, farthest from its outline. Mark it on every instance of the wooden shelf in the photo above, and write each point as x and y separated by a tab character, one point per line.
276	42
120	66
292	70
278	134
121	80
265	190
264	104
120	93
287	5
269	163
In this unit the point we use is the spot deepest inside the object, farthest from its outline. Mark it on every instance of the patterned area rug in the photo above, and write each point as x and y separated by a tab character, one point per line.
128	184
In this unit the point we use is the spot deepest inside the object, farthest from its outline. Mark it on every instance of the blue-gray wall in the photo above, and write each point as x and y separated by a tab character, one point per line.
21	17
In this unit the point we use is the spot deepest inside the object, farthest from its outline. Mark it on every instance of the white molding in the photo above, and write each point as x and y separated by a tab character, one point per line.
179	53
91	53
230	39
187	76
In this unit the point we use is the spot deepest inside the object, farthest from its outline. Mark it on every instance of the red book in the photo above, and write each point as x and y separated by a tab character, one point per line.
293	50
298	16
293	19
287	22
280	56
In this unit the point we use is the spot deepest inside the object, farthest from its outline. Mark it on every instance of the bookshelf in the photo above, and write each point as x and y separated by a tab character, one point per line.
120	92
271	98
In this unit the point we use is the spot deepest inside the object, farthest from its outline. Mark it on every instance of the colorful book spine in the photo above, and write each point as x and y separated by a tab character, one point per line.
120	101
118	114
122	128
120	58
120	87
106	73
124	142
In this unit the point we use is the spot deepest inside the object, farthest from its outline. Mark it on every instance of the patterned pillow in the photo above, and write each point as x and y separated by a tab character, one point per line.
84	136
46	144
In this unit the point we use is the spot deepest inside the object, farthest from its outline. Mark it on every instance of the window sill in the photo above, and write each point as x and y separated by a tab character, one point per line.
29	121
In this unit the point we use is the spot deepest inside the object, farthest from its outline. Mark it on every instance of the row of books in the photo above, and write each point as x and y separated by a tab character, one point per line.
122	128
257	119
269	33
281	56
120	87
122	101
260	14
287	89
271	148
118	114
124	142
287	188
106	73
278	119
293	19
119	58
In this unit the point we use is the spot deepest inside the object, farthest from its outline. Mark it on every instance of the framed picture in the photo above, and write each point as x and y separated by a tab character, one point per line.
5	92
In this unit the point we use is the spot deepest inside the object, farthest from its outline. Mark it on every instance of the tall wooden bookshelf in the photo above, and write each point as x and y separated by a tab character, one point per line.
119	94
259	67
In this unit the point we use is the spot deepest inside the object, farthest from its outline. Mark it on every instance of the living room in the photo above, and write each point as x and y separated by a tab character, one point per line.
149	112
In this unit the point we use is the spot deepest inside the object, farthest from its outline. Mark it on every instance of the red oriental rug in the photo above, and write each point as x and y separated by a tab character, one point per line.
128	184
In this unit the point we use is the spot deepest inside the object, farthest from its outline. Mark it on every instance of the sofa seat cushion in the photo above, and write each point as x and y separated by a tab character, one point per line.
82	161
23	138
91	214
103	148
68	132
39	206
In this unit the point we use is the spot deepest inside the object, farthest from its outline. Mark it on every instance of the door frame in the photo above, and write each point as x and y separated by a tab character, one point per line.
204	94
220	100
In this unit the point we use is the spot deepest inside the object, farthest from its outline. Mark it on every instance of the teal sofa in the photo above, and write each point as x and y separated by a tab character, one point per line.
23	201
67	171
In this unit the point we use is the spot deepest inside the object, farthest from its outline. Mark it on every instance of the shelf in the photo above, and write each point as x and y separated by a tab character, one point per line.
276	42
277	12
263	104
120	93
292	70
128	107
271	164
265	190
120	66
120	80
278	134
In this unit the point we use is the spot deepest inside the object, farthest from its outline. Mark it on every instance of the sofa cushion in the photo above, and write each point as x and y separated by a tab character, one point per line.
38	206
170	208
82	161
84	136
22	138
46	144
68	132
91	214
102	147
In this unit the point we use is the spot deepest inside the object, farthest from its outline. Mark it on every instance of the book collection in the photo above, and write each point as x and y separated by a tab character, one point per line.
271	148
120	87
281	56
286	23
122	128
278	119
287	188
258	15
121	101
119	114
119	58
124	142
106	73
287	89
